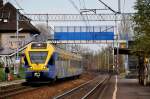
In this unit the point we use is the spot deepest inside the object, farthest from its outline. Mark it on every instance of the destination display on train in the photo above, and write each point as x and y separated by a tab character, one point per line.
39	46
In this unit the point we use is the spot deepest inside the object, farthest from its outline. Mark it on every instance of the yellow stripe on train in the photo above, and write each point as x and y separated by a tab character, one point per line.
38	67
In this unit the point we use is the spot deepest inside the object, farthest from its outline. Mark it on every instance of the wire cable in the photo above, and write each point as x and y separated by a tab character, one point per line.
74	5
84	6
108	6
17	3
124	2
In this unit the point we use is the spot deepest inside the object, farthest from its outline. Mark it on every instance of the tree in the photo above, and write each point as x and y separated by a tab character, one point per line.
46	32
142	25
125	29
43	29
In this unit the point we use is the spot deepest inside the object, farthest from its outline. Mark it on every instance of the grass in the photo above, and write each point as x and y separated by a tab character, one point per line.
2	74
21	74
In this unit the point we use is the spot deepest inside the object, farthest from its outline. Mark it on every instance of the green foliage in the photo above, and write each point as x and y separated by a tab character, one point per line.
1	65
2	74
142	25
21	74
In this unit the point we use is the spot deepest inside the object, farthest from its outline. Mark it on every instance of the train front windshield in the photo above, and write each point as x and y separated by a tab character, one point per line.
38	57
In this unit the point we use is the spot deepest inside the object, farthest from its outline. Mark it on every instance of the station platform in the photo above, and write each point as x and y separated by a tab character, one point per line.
131	89
8	83
122	88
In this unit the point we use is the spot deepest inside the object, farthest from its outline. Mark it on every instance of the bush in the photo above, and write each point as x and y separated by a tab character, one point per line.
1	65
2	74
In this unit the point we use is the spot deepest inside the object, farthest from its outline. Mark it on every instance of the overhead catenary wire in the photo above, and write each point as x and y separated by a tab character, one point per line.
81	13
74	5
87	19
19	6
108	7
124	2
84	6
80	4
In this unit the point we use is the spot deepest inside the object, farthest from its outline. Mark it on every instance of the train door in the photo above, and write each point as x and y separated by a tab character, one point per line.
59	65
51	66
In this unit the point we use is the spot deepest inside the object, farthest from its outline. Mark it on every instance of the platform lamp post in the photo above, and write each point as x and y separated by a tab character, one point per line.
17	33
117	41
18	29
108	58
16	67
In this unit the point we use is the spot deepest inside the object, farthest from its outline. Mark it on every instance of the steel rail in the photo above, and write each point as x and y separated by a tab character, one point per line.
12	90
100	84
82	85
72	89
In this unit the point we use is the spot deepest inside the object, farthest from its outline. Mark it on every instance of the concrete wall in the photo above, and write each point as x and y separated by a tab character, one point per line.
9	40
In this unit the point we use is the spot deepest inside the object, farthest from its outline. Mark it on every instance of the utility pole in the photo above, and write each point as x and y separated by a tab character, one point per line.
47	24
99	60
105	58
117	45
119	6
97	54
108	59
17	32
16	67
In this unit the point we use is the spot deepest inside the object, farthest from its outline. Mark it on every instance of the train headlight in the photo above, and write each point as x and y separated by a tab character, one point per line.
31	67
44	67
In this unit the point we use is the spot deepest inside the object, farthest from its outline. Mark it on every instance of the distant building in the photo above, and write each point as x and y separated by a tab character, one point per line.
8	38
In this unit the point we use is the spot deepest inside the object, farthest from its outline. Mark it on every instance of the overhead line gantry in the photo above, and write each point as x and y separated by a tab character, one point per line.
77	17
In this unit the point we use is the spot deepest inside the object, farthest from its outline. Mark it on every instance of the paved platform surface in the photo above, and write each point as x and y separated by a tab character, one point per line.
108	91
122	88
7	83
130	89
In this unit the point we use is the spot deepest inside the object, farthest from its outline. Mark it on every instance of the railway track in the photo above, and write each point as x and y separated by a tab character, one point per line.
9	91
23	90
88	90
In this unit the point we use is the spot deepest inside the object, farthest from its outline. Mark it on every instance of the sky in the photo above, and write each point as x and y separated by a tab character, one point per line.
65	6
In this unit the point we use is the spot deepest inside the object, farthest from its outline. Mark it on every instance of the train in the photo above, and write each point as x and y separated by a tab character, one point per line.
46	62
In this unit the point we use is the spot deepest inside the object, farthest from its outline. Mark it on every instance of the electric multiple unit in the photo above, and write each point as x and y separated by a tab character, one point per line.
44	61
